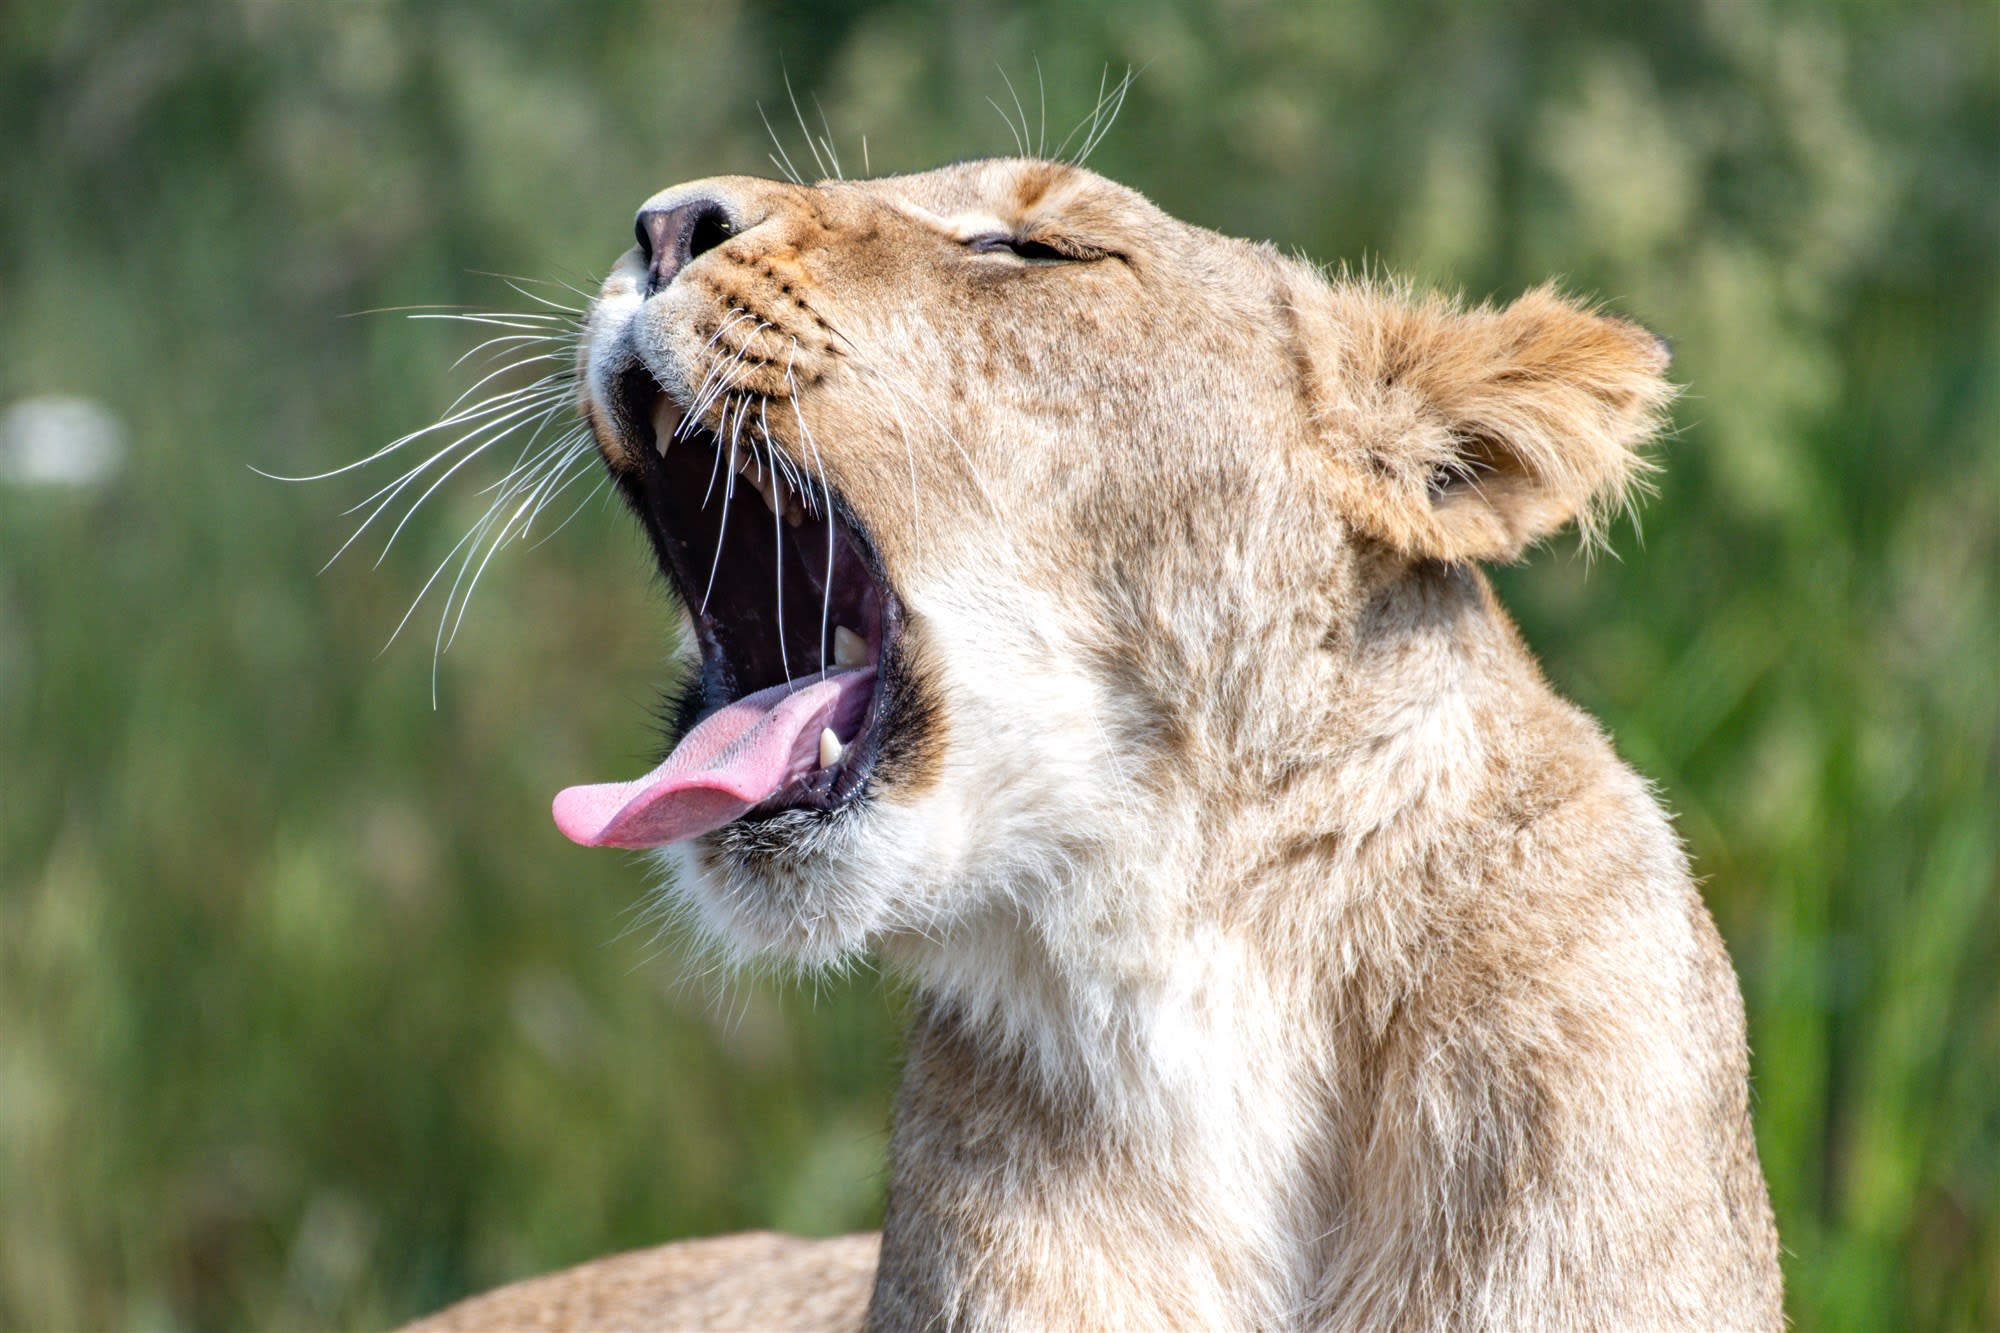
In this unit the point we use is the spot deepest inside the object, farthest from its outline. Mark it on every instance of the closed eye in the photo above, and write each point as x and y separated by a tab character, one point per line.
1034	251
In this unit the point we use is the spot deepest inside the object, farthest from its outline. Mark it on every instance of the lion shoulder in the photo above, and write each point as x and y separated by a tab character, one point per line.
753	1279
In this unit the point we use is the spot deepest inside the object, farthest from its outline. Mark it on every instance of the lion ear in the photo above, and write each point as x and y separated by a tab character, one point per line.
1471	434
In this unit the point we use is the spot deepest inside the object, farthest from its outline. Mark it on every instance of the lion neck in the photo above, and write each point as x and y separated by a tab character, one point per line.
1161	1068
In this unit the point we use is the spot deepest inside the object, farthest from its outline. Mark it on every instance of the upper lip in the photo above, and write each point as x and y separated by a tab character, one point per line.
770	561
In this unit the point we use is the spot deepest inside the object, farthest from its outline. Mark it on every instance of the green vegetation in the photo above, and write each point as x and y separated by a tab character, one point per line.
308	1016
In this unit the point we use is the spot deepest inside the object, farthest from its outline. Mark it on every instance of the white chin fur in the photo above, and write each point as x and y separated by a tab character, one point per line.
816	902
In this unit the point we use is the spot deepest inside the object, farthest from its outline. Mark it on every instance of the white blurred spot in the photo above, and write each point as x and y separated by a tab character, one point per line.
57	440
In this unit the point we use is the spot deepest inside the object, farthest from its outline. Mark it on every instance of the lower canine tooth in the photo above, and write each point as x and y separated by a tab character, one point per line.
829	748
849	648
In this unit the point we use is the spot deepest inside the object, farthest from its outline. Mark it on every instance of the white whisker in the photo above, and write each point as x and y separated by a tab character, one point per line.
510	484
383	498
783	160
478	418
691	418
832	153
505	339
719	377
595	491
811	147
550	382
722	528
470	414
476	530
1020	149
526	323
1103	115
541	480
588	295
439	310
778	559
495	411
1090	119
561	311
1042	102
578	450
442	478
1021	139
826	493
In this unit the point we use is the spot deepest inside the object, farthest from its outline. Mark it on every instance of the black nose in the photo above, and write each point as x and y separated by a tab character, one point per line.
670	237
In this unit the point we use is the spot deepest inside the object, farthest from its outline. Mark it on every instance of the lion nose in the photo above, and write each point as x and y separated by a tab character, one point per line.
670	238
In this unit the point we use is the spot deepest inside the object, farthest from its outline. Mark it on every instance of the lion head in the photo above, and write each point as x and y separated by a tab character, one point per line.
1029	535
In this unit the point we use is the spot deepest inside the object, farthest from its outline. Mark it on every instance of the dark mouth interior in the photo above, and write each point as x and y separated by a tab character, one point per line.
779	588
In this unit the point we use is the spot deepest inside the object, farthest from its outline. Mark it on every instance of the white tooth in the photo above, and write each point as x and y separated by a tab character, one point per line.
664	424
849	648
795	513
829	748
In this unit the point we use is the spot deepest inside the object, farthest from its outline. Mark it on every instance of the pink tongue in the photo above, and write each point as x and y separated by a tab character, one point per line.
742	755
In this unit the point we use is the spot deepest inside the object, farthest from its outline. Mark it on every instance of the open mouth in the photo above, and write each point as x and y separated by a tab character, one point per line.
794	619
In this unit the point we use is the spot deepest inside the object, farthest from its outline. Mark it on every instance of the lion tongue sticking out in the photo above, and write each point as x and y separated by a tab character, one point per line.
742	755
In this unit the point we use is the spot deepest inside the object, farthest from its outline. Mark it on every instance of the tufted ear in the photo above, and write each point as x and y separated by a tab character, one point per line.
1471	434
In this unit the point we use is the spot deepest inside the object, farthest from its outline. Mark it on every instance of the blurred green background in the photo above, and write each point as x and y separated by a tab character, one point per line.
308	1017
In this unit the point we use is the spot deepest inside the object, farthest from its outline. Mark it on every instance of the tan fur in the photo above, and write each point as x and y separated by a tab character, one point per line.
804	1284
1288	954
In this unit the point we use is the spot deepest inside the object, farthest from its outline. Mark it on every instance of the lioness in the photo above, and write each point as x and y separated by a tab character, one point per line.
1090	625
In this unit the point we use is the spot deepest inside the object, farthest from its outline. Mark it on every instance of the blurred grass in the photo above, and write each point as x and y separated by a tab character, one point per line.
307	1017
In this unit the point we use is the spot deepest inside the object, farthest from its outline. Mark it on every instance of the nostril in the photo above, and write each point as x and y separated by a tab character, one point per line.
671	238
711	228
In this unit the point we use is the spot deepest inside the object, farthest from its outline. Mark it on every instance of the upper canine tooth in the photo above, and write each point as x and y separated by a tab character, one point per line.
849	648
664	424
829	748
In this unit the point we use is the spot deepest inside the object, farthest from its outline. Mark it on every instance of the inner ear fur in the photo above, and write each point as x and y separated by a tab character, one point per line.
1471	434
